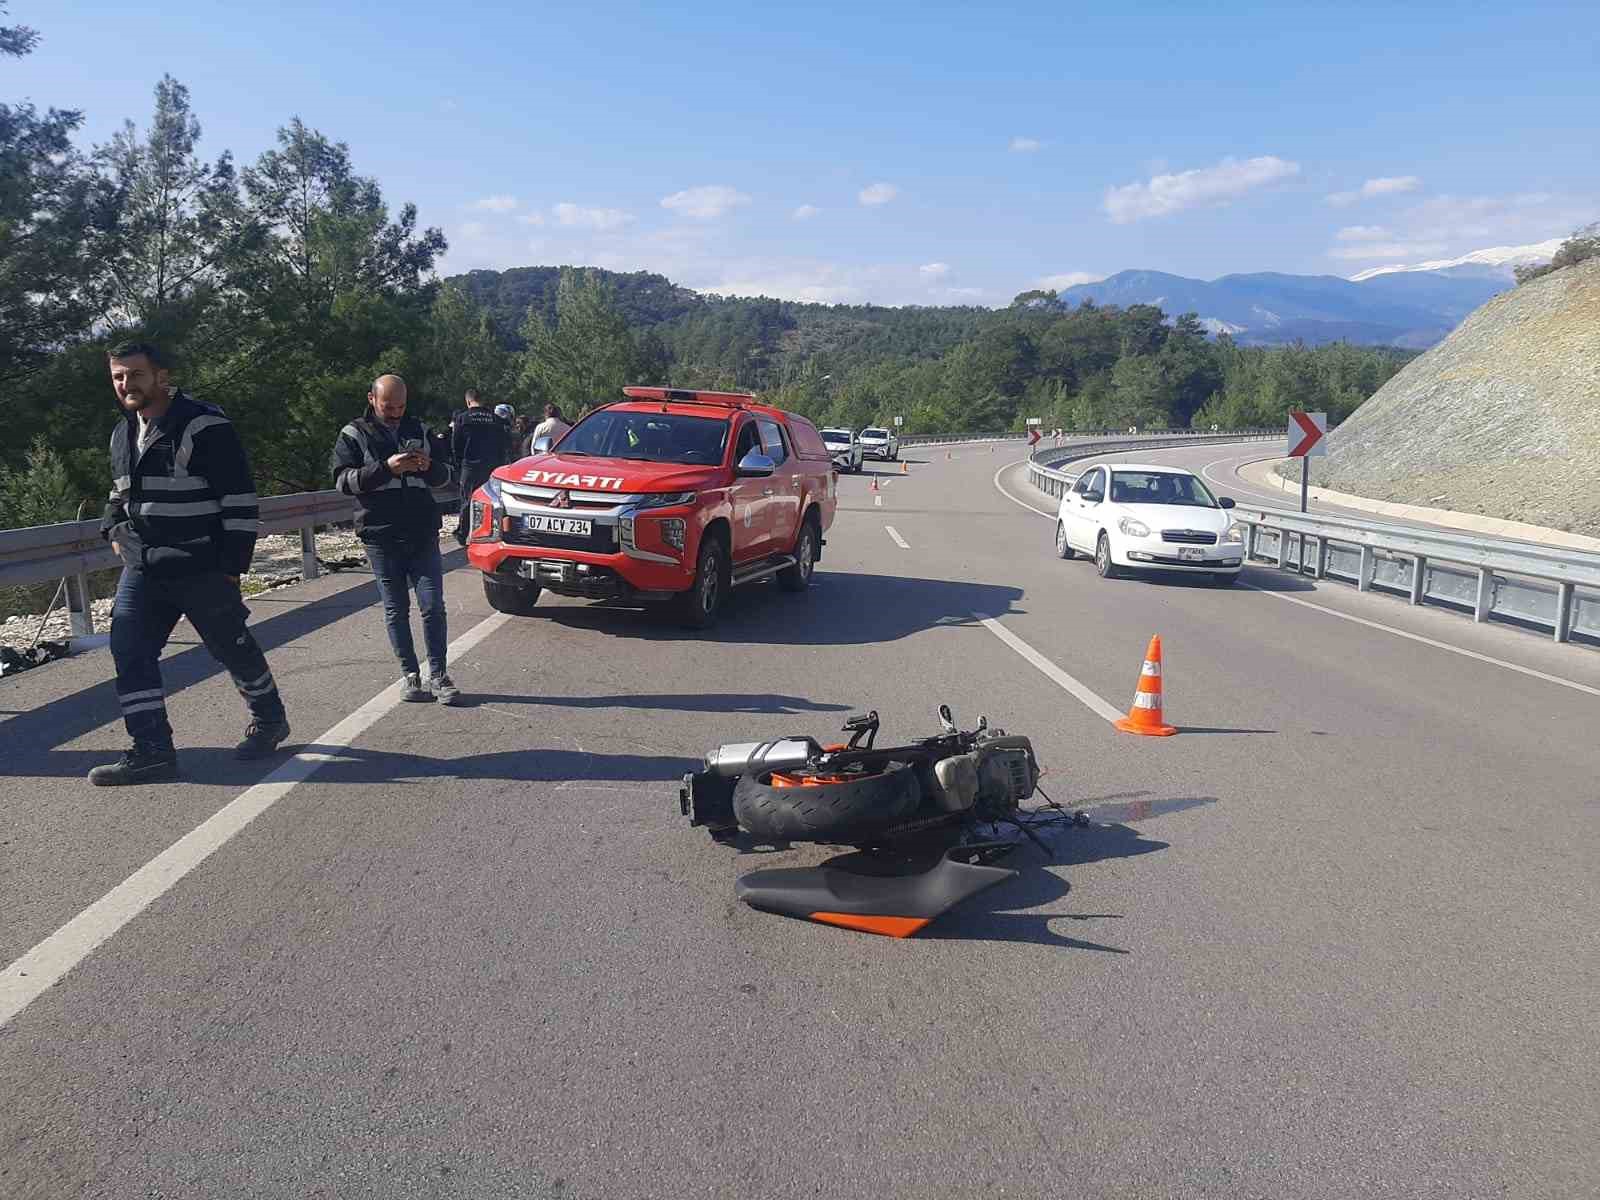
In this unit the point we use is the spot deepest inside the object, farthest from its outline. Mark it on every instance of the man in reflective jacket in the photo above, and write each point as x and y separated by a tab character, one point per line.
382	459
183	518
479	442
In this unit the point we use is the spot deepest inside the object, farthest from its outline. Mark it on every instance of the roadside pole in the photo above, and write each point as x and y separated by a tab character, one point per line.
1305	480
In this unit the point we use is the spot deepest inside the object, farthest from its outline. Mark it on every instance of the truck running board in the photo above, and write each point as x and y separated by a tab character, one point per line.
760	570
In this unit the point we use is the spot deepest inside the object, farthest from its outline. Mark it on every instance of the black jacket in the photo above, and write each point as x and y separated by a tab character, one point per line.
394	508
479	440
187	504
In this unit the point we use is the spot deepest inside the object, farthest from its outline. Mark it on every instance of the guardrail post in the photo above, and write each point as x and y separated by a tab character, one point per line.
81	615
1369	564
1321	570
308	552
1563	611
1283	549
1485	602
1419	572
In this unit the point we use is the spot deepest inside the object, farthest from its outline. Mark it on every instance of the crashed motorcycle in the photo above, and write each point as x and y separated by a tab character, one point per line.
923	817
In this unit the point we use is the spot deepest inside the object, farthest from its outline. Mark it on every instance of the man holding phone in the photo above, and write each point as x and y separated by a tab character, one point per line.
382	459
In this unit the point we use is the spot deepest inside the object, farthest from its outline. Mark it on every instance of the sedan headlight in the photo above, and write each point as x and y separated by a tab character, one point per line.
1133	528
667	500
1233	533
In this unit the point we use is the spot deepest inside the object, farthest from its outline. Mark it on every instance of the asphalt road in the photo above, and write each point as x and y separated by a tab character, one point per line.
1336	938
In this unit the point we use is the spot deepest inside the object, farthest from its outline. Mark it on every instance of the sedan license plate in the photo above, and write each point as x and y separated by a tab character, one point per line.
566	526
1190	554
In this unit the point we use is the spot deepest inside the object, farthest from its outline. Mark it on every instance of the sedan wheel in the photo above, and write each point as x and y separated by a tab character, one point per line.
1102	558
1063	548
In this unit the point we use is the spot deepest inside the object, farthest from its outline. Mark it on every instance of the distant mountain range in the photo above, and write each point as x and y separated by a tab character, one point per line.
1409	306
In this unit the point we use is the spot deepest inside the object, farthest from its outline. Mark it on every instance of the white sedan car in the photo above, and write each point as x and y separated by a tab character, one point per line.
1131	516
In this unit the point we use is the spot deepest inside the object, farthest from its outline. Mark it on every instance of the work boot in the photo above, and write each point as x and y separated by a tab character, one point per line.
444	689
261	738
414	692
140	763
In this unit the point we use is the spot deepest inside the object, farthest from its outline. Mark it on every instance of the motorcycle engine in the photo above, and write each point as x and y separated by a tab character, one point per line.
995	777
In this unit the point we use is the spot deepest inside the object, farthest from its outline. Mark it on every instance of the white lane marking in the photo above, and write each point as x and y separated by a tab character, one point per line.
999	487
898	540
41	967
877	502
1333	612
1428	641
1082	691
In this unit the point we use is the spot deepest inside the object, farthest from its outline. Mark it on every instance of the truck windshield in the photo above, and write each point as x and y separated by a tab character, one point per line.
648	437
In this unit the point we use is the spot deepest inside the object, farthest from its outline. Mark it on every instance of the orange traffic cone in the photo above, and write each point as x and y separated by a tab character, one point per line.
949	457
1145	715
874	483
905	468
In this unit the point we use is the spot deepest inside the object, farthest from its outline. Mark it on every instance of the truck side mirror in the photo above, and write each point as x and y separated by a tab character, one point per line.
541	445
756	465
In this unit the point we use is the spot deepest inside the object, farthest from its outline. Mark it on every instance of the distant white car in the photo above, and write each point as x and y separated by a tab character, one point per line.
844	448
1134	516
880	444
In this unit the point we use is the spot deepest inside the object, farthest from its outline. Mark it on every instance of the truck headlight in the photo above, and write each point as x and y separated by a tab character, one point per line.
1133	528
667	500
493	508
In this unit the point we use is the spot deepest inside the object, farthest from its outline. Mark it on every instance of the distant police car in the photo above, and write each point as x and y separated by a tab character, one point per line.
1130	516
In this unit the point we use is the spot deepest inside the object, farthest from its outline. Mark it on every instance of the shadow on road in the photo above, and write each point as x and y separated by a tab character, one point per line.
841	609
717	702
575	769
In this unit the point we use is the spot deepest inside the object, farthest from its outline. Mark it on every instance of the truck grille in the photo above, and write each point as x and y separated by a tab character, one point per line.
1188	537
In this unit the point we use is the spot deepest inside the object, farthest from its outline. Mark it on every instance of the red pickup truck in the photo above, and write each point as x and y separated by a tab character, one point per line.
670	494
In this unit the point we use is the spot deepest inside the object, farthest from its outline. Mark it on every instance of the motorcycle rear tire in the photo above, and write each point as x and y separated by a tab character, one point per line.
827	812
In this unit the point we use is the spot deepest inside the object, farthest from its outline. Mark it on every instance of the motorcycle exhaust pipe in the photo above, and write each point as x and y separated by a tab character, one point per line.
747	758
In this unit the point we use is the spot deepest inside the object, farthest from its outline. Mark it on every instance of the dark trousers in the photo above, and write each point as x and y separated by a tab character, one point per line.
142	618
399	567
473	477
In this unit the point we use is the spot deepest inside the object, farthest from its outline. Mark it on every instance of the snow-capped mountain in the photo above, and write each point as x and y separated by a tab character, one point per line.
1401	305
1504	257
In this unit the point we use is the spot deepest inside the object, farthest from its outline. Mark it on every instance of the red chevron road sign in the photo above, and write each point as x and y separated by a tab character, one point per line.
1308	433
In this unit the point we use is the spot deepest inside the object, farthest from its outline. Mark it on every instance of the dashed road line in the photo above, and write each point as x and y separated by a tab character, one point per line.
42	967
898	540
1075	687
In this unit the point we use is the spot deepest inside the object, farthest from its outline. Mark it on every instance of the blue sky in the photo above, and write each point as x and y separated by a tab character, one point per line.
897	153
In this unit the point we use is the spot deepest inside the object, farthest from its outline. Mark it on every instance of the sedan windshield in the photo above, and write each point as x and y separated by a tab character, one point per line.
648	437
1160	487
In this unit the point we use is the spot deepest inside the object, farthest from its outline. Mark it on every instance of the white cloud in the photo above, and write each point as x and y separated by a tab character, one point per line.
934	270
499	204
1363	233
474	229
602	219
1389	186
1025	145
1387	250
532	218
878	193
705	202
1453	225
825	285
1055	283
966	293
1164	194
805	212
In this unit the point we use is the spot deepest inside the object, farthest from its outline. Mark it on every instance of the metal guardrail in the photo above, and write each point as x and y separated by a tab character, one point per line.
71	549
1044	465
1522	581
